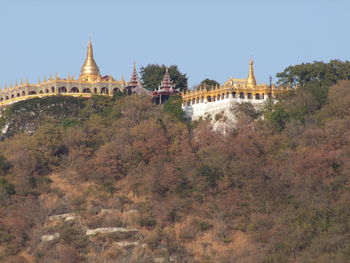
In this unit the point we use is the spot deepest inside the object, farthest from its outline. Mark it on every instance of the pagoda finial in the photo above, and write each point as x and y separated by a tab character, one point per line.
45	79
251	82
50	76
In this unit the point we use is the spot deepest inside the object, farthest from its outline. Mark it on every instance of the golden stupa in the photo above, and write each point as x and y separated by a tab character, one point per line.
251	82
89	71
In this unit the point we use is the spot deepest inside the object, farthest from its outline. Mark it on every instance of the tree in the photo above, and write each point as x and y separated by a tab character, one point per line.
209	82
152	76
4	165
174	107
318	72
313	81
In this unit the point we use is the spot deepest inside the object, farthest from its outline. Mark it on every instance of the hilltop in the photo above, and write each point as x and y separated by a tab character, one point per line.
123	180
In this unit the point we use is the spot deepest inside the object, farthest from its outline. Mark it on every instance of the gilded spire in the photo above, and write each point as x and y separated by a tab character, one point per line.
251	82
89	70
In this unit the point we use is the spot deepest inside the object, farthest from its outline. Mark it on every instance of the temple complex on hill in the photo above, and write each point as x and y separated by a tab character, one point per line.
212	100
204	101
89	82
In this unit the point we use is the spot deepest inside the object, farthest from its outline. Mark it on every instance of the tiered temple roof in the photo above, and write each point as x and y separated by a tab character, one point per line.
134	80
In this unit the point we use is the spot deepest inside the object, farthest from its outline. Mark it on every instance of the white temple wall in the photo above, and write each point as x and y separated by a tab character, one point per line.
204	109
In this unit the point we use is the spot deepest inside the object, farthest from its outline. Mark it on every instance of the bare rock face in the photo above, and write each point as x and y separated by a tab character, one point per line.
129	243
46	238
64	217
104	230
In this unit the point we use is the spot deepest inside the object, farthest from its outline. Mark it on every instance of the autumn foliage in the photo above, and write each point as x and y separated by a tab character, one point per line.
274	190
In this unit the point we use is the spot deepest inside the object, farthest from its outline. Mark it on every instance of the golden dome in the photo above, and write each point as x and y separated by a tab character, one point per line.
89	71
251	82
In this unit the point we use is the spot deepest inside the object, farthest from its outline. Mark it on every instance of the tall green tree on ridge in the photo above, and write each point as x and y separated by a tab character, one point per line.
209	82
318	72
313	81
152	75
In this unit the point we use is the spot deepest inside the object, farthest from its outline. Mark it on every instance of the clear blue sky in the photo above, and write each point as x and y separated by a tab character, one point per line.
205	38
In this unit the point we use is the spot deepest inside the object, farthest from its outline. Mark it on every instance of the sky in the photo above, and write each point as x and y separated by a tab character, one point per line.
205	38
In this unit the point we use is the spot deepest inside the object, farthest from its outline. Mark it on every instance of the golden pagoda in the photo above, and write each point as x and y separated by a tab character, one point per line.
89	82
89	71
251	82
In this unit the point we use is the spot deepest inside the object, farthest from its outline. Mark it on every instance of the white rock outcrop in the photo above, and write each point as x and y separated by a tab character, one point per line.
104	230
127	243
64	217
47	238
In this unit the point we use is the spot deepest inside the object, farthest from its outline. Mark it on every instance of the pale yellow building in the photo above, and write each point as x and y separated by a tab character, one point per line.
89	82
208	101
241	90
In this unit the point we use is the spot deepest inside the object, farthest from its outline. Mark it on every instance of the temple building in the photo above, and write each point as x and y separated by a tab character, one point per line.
201	102
212	100
89	82
165	90
134	85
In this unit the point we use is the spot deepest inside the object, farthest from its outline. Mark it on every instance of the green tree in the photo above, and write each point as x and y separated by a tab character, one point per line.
174	107
318	72
313	81
5	166
278	117
209	82
152	76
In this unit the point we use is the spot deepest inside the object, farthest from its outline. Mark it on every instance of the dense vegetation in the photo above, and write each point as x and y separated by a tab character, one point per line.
274	189
152	75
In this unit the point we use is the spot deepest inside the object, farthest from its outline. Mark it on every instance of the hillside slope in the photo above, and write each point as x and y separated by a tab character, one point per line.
123	180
